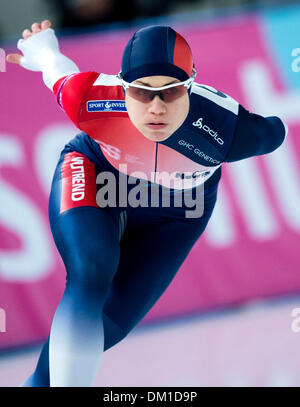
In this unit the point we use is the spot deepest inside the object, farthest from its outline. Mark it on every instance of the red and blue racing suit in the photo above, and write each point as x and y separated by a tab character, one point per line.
120	260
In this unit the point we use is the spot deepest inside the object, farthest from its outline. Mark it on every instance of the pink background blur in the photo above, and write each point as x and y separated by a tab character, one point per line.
250	248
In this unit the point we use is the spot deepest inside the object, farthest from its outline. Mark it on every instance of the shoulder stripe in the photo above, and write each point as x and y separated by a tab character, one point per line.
106	80
220	98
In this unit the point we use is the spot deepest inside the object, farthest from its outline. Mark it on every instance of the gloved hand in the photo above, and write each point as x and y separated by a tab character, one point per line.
41	53
38	50
30	60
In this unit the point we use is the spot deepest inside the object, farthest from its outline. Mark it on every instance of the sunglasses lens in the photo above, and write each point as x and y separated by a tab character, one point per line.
167	95
174	93
142	95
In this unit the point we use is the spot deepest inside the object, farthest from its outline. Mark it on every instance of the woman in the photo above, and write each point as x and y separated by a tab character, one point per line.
121	243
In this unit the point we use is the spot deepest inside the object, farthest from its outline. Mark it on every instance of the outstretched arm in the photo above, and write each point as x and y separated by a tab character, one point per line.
255	135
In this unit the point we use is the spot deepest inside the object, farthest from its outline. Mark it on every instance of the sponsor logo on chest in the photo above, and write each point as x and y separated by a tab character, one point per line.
214	134
193	175
106	106
198	152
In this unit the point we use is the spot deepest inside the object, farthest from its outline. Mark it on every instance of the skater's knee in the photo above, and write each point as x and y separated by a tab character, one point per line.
91	271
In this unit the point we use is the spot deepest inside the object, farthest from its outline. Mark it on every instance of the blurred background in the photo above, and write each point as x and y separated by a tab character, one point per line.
230	316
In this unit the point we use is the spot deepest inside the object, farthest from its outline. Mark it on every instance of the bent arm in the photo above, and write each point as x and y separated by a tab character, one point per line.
255	135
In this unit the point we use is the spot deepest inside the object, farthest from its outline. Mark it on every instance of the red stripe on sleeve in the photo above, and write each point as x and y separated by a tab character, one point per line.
71	90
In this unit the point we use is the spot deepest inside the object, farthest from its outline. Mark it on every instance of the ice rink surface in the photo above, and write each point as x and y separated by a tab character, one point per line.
252	345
